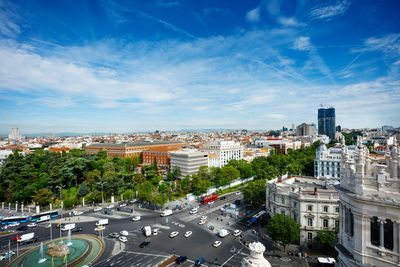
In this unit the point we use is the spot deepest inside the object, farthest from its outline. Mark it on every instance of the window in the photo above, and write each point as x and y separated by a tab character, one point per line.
309	207
295	217
326	208
375	233
295	204
309	236
326	223
310	222
283	200
388	234
283	212
337	209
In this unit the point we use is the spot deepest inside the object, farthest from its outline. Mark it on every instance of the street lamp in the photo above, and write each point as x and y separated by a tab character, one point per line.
61	187
102	196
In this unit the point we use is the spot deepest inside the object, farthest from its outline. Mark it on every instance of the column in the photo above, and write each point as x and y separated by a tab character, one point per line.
381	233
16	206
2	205
22	207
51	206
9	206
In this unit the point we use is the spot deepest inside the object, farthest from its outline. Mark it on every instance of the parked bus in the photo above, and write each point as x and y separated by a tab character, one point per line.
52	214
207	199
14	219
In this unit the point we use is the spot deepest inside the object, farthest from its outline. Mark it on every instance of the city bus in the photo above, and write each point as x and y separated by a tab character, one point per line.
52	214
14	219
207	199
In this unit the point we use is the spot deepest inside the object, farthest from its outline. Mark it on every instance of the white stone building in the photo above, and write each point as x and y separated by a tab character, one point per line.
4	155
369	194
327	161
312	203
225	151
189	161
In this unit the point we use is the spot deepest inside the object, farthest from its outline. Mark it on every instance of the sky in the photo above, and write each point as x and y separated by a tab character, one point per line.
129	66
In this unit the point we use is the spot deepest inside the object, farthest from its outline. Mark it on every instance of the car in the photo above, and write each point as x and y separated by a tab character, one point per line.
237	193
123	239
6	255
155	231
101	228
173	234
30	241
217	243
237	202
193	211
202	222
188	233
97	209
114	234
211	202
136	218
198	262
124	233
144	244
31	225
110	206
222	209
181	259
13	224
122	205
22	228
76	229
203	218
77	212
237	232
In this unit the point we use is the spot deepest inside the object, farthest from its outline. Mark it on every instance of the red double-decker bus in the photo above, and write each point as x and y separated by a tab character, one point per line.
207	199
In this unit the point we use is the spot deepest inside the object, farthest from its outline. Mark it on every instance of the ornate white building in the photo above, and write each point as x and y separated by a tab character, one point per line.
327	161
225	151
312	203
369	209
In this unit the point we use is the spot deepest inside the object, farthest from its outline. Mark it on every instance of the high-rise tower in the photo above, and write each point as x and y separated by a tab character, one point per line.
327	122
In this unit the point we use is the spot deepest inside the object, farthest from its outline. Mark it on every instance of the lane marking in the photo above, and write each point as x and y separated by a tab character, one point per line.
148	254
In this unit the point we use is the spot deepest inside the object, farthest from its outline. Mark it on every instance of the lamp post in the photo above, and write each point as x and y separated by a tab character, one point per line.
61	187
102	196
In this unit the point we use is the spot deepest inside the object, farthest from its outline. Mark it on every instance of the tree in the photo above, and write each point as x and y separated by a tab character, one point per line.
92	178
43	196
199	186
83	190
283	229
325	240
176	172
254	193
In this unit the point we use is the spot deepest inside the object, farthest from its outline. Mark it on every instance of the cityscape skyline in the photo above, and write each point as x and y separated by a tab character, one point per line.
123	67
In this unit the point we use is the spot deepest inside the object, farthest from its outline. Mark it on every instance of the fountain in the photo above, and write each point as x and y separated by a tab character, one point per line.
57	250
69	243
42	258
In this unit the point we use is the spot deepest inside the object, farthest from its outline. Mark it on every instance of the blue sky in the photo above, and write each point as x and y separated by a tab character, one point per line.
123	66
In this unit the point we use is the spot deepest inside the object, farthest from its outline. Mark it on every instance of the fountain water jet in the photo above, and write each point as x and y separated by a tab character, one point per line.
42	258
69	243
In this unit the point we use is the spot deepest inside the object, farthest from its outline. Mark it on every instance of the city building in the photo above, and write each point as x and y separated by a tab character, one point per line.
159	153
125	150
189	161
279	145
328	161
4	155
305	129
225	150
369	232
312	203
14	135
327	122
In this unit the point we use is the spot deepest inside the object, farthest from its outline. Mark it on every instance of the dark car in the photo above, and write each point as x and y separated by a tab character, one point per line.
237	202
181	259
144	244
199	261
22	228
76	229
114	234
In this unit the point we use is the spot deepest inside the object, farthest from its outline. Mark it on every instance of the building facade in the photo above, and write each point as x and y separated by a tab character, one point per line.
305	129
225	150
327	122
369	194
312	203
328	161
189	161
126	150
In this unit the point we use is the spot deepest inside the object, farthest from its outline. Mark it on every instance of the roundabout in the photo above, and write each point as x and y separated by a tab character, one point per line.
76	251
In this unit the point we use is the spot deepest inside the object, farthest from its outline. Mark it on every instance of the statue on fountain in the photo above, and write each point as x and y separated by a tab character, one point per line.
57	250
256	258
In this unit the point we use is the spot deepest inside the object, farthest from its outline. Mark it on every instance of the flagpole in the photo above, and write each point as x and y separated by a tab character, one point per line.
17	247
9	244
51	226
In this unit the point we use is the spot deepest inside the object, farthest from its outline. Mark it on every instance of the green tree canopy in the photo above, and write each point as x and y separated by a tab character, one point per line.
283	229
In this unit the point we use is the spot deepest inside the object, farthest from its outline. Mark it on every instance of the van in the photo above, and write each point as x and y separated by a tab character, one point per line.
102	222
166	213
68	227
223	233
44	218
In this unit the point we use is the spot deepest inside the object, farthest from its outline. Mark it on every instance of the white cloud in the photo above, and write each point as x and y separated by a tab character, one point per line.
290	22
276	116
327	10
302	43
253	15
389	44
164	3
8	20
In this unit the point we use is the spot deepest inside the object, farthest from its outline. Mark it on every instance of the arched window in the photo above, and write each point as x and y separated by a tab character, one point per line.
388	230
351	223
375	232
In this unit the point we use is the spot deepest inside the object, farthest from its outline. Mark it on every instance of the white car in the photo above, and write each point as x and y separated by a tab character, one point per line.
210	203
173	234
217	243
193	211
124	233
237	232
13	224
202	222
123	239
136	218
77	212
188	233
31	225
123	205
203	218
110	206
97	209
155	231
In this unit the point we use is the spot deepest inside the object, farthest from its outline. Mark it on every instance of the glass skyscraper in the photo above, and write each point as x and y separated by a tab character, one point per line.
327	122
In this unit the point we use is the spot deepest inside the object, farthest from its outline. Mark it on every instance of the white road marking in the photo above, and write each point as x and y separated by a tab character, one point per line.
228	260
148	254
